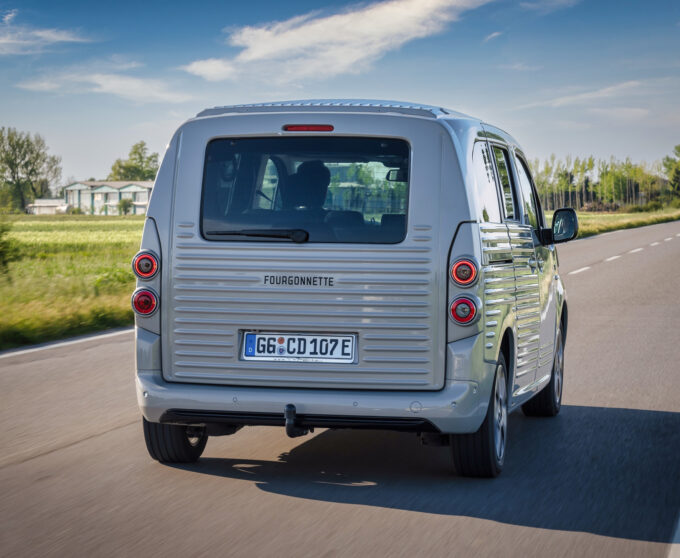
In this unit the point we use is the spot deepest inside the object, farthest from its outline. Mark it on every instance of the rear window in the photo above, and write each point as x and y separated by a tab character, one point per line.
306	189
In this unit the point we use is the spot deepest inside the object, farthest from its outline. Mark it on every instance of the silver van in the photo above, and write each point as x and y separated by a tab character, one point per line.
347	264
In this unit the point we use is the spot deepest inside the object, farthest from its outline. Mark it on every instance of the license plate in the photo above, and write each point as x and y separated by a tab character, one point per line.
299	347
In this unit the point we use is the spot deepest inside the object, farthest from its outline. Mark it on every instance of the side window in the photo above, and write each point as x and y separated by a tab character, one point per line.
265	193
531	208
222	173
503	166
485	183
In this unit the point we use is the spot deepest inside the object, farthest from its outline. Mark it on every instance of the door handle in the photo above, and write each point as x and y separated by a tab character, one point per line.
536	262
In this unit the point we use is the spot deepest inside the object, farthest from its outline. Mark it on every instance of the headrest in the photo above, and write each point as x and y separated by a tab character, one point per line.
315	172
308	186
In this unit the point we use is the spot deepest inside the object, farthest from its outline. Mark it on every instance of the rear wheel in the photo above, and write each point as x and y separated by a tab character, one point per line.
548	401
170	443
482	453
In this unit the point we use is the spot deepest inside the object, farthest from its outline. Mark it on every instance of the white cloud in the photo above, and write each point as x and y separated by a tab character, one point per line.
9	16
106	77
117	63
135	89
212	69
23	39
612	91
318	46
627	114
572	125
41	84
520	67
492	36
547	6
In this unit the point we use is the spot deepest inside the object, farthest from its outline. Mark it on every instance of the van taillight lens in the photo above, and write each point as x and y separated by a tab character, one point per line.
144	302
145	265
464	272
463	310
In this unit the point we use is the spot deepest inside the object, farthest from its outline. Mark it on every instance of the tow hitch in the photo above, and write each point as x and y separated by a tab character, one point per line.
292	430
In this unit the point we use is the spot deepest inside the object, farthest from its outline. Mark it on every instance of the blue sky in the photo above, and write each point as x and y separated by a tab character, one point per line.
570	77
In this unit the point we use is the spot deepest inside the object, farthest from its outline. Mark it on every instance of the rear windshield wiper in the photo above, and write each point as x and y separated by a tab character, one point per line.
296	235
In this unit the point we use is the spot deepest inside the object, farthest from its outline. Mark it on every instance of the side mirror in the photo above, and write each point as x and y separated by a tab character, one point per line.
564	225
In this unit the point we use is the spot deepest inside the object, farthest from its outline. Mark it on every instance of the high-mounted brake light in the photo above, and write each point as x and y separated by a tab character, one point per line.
464	272
308	128
144	302
145	265
463	310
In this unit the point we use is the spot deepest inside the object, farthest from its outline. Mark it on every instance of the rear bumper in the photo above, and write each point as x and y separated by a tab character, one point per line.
458	408
236	418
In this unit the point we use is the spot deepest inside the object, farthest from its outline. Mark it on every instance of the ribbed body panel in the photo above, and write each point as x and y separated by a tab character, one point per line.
383	294
528	302
499	283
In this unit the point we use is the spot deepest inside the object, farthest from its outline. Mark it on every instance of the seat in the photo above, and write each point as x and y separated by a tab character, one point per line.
393	221
345	219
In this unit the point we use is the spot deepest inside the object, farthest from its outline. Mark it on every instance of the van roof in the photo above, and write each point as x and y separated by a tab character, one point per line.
338	105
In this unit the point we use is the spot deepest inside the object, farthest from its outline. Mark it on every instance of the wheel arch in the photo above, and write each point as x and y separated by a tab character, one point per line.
564	321
508	351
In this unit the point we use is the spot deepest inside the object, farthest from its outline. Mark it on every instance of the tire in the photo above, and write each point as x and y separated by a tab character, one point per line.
482	453
548	401
170	443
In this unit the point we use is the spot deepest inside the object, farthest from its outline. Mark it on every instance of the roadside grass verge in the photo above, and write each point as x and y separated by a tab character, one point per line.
75	277
597	223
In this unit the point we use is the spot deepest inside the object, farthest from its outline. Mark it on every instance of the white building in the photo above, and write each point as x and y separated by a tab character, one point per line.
101	197
45	206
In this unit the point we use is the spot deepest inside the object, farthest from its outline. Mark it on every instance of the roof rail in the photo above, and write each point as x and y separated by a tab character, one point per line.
335	105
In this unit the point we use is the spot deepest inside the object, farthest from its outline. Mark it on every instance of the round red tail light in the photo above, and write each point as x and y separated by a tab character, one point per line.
144	302
463	310
145	265
464	272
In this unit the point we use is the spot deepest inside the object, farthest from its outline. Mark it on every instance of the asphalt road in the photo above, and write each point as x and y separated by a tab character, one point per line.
601	479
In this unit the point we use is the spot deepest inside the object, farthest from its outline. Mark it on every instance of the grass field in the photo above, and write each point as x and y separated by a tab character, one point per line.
74	277
596	223
75	274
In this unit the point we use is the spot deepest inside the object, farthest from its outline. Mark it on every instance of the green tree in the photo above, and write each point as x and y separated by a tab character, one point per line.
138	166
671	166
586	183
9	251
352	173
26	169
124	206
364	176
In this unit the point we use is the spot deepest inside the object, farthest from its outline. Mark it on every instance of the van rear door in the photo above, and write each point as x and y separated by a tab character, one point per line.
287	246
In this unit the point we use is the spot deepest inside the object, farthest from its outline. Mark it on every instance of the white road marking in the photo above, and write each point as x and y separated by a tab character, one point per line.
677	234
579	270
636	250
612	258
655	243
65	343
668	239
